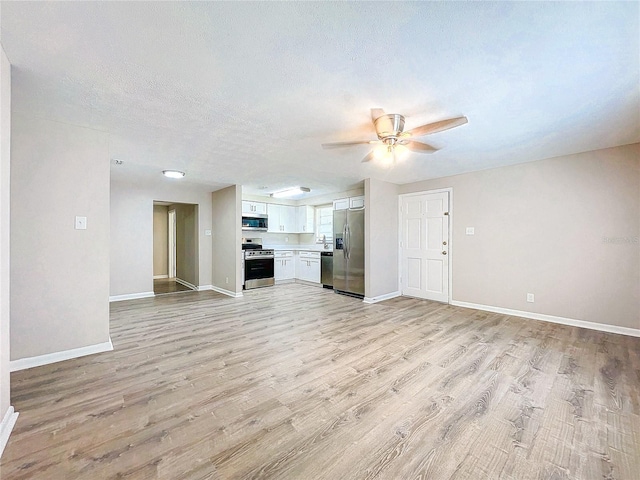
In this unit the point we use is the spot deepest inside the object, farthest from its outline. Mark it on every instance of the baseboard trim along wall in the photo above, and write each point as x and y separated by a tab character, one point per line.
158	277
202	288
381	298
226	292
6	427
30	362
186	284
603	327
130	296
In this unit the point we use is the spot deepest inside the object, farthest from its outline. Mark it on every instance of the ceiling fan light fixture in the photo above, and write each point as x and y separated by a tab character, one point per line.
173	173
290	192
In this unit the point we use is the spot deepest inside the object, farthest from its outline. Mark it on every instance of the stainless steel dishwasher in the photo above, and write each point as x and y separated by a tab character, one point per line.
326	269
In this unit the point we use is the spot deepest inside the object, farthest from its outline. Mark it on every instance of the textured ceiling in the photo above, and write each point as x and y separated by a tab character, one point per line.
245	93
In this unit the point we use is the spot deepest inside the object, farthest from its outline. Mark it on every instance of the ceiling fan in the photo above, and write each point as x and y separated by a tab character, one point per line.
391	134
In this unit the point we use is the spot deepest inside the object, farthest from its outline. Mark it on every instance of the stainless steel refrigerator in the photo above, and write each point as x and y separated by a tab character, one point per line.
348	251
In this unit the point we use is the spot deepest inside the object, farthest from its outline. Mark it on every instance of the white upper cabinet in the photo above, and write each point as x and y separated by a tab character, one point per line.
254	207
282	218
351	202
305	220
341	204
356	202
288	218
273	211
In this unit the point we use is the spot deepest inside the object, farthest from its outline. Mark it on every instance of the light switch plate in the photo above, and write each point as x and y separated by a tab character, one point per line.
470	231
81	223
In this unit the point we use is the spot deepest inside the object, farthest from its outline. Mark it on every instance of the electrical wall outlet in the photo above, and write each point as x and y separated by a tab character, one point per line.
226	279
530	297
470	231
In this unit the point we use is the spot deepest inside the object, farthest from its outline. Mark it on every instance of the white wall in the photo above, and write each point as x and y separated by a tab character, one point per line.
132	233
381	239
59	275
546	228
227	239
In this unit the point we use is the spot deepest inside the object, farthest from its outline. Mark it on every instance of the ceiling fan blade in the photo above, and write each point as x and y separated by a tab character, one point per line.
368	157
346	144
418	146
437	126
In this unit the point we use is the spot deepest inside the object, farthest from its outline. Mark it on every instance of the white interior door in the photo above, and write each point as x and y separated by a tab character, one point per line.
172	243
425	246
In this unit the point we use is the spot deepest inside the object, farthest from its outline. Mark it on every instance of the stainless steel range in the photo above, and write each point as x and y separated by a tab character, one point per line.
258	264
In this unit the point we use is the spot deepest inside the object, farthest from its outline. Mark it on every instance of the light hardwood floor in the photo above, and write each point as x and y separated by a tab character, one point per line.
296	382
168	285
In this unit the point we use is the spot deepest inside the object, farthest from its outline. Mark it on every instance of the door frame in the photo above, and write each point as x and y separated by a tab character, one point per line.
171	231
402	196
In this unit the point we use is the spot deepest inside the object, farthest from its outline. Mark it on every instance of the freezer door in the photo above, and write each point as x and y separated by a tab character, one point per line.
355	252
339	252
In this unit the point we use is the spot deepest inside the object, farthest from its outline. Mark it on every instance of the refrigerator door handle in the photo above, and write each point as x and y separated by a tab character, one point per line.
348	237
344	241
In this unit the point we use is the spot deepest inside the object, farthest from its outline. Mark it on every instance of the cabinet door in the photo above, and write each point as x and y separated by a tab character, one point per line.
341	204
259	207
284	267
289	268
254	207
356	202
306	220
273	212
246	207
314	271
278	269
288	219
301	268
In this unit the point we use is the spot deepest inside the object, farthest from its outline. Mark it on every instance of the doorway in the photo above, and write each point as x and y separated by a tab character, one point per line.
175	247
425	246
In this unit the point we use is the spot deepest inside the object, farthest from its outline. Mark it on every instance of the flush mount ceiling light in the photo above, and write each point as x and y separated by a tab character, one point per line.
173	173
290	192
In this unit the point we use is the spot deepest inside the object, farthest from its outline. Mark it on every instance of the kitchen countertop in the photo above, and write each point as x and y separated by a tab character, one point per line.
300	248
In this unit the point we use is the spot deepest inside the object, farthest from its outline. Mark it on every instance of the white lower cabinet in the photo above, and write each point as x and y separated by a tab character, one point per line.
284	266
308	266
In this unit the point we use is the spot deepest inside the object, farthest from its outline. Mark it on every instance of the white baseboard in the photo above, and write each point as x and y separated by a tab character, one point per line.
286	280
130	296
186	284
158	277
30	362
202	288
226	292
6	427
603	327
381	298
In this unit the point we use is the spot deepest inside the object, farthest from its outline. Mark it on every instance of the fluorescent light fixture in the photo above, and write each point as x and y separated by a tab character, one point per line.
290	192
173	173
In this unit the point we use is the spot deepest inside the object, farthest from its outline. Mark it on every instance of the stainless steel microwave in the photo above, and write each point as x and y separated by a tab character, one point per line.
256	222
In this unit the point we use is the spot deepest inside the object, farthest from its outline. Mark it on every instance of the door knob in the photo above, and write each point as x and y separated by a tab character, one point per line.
444	253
